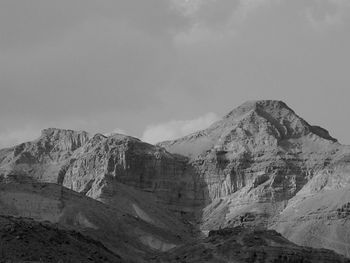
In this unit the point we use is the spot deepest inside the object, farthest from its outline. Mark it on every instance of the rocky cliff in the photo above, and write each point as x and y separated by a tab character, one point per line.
43	158
102	163
260	163
255	143
319	213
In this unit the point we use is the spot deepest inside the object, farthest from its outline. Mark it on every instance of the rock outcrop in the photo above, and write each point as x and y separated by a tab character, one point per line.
245	245
43	158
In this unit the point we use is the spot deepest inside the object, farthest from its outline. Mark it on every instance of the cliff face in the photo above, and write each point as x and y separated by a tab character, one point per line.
261	164
103	163
98	165
42	158
319	213
257	143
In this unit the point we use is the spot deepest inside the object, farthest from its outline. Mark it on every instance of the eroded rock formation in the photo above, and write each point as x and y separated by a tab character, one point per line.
43	158
103	162
262	163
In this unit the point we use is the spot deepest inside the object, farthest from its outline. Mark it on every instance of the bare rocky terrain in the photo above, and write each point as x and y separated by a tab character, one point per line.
260	168
25	240
266	167
129	236
245	245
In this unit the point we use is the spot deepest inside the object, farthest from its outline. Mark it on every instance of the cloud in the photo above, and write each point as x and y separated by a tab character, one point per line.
116	130
177	128
326	14
213	20
187	7
247	7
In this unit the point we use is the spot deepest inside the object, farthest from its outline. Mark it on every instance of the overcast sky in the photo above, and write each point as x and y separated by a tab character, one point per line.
159	69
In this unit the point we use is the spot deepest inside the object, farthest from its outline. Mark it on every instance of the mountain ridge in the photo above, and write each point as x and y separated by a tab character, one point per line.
254	168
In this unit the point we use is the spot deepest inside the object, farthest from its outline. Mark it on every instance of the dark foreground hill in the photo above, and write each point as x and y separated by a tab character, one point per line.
25	240
241	245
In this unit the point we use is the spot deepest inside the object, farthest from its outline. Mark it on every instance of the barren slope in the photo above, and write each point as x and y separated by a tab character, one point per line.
131	237
240	245
25	240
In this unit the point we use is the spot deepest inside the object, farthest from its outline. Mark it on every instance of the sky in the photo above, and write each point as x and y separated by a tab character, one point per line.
160	69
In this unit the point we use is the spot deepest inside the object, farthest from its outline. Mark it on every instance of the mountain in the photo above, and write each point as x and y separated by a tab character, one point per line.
43	158
261	147
261	167
263	122
104	162
138	187
97	166
266	167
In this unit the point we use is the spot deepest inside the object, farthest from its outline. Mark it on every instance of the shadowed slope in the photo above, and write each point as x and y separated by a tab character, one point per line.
243	245
24	240
129	236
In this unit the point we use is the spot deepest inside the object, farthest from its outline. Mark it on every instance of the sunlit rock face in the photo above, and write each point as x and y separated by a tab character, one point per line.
103	162
95	166
42	159
318	215
262	143
136	178
262	163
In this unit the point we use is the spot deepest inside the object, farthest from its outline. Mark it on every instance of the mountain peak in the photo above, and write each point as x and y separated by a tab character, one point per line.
255	123
57	131
279	114
62	139
254	105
